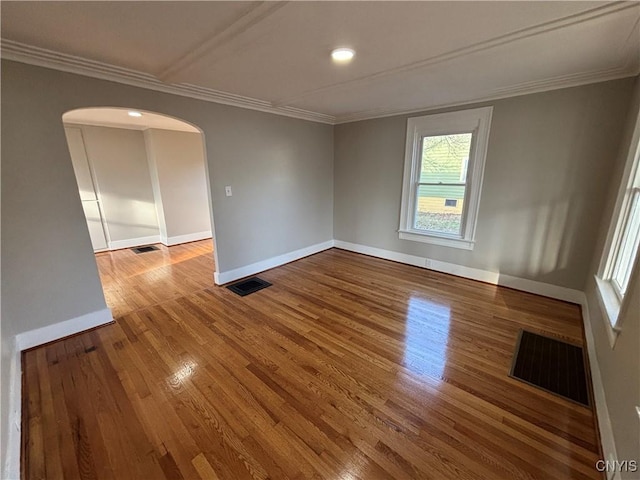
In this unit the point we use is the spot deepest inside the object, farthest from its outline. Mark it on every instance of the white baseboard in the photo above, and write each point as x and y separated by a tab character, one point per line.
23	341
607	440
191	237
39	336
11	464
496	278
133	242
540	288
221	278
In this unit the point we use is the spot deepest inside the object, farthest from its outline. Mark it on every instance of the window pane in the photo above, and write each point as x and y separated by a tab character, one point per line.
445	158
628	246
439	208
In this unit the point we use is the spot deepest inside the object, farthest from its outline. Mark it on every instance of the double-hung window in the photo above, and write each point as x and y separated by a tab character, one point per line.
621	249
444	164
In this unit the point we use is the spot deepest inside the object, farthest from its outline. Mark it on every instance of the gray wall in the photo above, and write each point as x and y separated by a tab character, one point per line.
546	176
619	366
119	160
176	161
281	170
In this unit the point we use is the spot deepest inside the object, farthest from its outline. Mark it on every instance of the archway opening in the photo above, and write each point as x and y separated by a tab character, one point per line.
143	181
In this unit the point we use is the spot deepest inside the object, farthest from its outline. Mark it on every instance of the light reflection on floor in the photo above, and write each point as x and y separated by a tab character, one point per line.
183	373
426	337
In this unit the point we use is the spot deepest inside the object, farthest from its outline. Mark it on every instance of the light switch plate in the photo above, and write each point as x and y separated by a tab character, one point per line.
227	191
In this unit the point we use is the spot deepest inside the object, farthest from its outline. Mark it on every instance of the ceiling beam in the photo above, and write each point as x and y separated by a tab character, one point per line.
247	20
534	30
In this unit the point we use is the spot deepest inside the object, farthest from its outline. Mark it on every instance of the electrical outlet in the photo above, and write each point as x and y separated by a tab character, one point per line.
427	262
227	191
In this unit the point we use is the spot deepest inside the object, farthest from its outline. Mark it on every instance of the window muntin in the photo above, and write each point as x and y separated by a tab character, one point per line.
627	248
444	166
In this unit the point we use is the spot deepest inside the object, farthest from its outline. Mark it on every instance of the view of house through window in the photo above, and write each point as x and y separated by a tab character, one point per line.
443	168
442	183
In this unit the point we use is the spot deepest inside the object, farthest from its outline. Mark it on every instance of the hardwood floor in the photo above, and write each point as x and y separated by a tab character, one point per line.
348	367
131	281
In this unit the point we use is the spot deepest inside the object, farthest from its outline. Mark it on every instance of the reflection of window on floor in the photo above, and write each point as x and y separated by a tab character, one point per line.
426	337
450	203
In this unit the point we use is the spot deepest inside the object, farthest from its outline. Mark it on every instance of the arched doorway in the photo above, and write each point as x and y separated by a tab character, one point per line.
143	181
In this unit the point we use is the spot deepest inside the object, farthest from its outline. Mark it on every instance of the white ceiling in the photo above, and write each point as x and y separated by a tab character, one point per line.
119	117
274	56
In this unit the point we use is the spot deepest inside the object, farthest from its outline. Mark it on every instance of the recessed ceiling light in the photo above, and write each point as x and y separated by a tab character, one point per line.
133	113
342	55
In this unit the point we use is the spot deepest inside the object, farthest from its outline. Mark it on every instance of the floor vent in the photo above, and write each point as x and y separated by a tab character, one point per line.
249	285
555	366
144	249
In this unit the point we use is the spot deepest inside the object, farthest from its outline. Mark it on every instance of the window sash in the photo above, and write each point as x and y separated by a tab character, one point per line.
467	164
475	122
627	246
439	233
440	184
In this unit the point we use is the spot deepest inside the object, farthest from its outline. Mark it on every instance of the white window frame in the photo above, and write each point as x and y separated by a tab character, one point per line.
476	121
611	300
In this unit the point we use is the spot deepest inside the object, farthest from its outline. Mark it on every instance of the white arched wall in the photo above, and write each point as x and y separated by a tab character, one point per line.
141	179
280	169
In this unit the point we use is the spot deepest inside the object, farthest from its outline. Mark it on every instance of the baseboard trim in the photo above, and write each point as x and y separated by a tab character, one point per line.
133	242
220	278
607	440
47	334
495	278
11	465
190	237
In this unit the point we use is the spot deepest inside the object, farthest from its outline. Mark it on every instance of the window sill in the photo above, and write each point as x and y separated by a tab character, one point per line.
610	306
442	241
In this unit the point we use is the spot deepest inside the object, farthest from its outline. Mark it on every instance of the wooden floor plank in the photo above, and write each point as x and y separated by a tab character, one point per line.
346	367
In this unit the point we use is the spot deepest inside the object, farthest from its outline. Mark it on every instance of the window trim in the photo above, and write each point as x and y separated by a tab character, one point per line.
611	304
476	121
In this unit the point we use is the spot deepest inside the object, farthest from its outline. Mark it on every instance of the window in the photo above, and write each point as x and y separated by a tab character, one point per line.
628	248
444	164
621	251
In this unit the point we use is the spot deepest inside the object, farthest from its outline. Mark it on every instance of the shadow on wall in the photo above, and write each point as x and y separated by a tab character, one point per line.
547	233
541	219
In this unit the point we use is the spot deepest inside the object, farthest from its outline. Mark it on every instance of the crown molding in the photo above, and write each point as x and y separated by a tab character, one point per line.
93	123
526	88
16	51
124	126
42	57
589	15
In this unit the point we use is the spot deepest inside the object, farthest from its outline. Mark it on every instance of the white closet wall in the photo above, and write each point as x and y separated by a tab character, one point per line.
117	160
88	195
176	162
140	187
